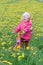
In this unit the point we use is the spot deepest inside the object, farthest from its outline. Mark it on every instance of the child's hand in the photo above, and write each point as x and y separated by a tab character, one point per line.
31	28
23	32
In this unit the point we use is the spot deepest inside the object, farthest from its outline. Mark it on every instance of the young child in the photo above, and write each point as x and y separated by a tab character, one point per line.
25	30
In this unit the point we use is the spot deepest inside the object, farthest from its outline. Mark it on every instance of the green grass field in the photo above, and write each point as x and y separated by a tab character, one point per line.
10	16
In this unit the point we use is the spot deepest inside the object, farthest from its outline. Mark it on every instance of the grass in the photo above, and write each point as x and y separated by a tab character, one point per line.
10	16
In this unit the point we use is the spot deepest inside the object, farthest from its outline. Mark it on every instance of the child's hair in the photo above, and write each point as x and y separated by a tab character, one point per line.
26	15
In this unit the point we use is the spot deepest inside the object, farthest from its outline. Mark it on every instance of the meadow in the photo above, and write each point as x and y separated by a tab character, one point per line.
10	16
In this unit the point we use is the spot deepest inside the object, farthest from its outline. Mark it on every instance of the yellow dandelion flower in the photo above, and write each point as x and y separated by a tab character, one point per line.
14	55
23	55
34	53
7	62
10	42
10	47
18	53
3	43
27	48
19	47
37	35
19	58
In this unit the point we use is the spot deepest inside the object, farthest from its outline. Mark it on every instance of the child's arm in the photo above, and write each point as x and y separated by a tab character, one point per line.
17	29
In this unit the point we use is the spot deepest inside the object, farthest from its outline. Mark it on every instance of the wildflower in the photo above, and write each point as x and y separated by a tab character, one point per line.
27	48
14	55
19	47
23	55
7	62
3	43
10	42
19	58
37	35
18	53
34	53
10	47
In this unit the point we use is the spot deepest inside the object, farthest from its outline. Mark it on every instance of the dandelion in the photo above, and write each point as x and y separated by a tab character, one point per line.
18	53
7	62
23	55
27	48
19	47
37	35
3	43
34	53
10	42
14	55
19	58
10	47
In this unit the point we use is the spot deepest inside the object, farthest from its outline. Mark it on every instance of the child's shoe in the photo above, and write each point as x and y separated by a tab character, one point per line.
16	46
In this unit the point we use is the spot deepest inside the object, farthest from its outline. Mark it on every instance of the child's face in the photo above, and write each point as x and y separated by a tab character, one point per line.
25	19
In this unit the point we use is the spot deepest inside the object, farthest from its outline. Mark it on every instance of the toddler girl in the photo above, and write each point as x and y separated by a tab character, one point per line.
25	30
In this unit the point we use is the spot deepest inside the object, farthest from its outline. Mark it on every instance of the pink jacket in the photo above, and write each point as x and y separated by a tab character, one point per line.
25	26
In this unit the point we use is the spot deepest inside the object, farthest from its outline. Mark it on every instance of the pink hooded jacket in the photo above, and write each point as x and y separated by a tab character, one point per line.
25	26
